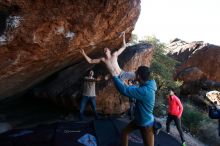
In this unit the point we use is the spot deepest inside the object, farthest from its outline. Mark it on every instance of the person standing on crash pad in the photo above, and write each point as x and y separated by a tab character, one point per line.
175	111
145	99
89	94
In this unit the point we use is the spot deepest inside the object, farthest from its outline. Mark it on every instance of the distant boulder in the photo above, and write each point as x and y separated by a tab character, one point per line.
198	60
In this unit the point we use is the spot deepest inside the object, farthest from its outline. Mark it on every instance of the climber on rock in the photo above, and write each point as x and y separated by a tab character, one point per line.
111	61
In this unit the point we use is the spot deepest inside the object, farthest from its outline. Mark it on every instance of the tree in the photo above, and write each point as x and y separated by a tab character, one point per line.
134	38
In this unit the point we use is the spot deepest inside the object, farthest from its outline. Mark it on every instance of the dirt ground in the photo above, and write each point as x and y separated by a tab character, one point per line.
190	140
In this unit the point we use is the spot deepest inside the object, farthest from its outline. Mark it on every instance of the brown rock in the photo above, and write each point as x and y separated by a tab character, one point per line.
214	96
200	58
190	74
39	38
181	50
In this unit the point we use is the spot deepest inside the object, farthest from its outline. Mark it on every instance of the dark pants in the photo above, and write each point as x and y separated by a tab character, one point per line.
215	114
146	133
177	121
131	110
84	101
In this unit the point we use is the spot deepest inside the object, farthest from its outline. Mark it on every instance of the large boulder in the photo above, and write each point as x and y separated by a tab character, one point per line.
39	38
198	60
65	87
190	74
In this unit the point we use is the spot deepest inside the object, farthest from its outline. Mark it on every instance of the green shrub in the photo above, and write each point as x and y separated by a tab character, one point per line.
193	118
162	68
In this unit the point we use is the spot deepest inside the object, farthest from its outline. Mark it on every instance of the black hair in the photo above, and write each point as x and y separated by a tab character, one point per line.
130	81
88	72
172	89
143	72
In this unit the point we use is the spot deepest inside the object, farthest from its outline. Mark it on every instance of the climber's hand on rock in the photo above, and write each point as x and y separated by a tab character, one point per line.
81	51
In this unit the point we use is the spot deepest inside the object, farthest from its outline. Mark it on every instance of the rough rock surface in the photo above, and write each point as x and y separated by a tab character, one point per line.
39	38
199	60
190	74
64	88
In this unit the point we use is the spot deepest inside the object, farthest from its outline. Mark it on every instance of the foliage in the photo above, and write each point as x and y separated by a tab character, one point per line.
159	47
134	39
193	118
162	68
162	65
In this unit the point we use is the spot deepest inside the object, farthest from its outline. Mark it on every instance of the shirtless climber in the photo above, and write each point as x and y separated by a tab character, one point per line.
111	61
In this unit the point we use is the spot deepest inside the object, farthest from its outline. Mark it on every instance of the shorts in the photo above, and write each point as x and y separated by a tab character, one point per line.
127	75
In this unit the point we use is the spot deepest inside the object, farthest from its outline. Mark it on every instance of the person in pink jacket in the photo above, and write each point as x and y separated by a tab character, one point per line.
175	111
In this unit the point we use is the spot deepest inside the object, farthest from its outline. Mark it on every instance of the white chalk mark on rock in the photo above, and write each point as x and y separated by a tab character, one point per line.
13	22
70	35
3	39
60	30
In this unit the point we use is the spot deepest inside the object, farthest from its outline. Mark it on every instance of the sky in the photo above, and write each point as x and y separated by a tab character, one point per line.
189	20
